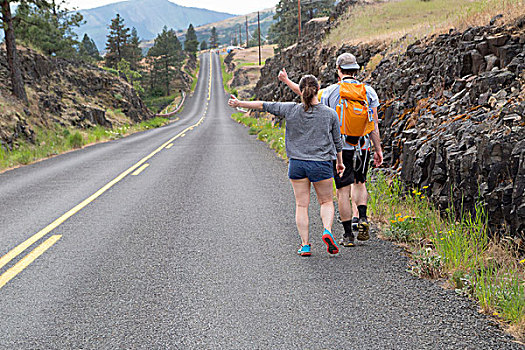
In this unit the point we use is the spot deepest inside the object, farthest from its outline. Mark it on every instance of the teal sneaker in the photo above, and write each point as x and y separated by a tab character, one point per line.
305	250
329	240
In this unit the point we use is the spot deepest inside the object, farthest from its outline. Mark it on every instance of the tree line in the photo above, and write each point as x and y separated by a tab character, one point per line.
48	26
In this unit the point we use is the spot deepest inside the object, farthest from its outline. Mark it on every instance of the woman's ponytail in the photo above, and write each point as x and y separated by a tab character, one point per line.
309	87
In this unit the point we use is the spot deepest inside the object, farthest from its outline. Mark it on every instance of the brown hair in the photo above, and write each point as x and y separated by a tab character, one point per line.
309	87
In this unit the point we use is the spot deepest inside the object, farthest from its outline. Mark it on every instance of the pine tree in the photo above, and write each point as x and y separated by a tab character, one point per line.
133	52
59	40
167	57
88	48
213	38
191	43
204	45
118	39
284	31
13	62
48	28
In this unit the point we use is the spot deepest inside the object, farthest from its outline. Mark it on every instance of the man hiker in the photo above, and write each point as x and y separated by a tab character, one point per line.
346	98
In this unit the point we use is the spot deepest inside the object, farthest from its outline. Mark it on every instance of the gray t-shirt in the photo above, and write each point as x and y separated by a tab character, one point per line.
312	135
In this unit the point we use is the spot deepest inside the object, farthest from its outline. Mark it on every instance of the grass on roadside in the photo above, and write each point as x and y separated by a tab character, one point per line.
226	77
265	131
442	246
195	76
457	248
59	139
157	104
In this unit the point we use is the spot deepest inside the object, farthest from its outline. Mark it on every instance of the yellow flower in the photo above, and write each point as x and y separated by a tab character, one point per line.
522	261
401	219
425	187
414	191
393	221
418	194
406	217
495	314
423	197
398	215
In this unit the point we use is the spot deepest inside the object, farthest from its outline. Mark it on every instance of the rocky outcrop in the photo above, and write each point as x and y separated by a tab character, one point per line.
66	92
453	119
452	112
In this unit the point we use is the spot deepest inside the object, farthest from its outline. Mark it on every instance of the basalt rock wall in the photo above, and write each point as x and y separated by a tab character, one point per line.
452	115
453	119
64	92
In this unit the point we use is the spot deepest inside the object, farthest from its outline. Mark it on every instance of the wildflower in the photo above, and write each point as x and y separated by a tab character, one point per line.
414	191
393	221
401	219
522	261
425	187
495	314
423	197
418	194
406	217
398	215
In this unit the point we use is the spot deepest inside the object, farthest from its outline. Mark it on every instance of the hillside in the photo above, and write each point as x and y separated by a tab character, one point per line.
63	95
228	29
148	16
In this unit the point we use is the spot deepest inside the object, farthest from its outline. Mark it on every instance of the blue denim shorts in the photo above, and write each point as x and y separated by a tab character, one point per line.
313	170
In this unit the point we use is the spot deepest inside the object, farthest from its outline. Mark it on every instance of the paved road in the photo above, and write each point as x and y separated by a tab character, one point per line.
198	252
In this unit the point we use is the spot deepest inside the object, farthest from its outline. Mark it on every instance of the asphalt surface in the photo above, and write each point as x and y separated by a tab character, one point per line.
198	252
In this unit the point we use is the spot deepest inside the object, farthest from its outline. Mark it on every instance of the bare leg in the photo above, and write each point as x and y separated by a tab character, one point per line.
359	194
325	197
355	212
301	189
343	201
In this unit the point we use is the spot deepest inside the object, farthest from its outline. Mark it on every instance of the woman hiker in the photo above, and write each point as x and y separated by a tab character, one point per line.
313	141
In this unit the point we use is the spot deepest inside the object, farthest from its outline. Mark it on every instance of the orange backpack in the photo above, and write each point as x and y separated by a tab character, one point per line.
354	117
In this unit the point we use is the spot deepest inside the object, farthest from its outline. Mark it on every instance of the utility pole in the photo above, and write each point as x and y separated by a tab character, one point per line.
247	38
299	5
259	31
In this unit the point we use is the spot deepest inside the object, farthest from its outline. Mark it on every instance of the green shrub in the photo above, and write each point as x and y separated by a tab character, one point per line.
76	140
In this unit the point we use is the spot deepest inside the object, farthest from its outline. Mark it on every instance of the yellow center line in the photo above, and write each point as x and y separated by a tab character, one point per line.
23	246
169	146
139	170
28	259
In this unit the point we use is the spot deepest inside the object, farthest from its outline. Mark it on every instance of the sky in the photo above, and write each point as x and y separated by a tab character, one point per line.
238	7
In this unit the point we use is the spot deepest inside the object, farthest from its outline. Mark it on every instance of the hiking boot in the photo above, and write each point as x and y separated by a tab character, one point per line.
355	224
347	241
304	250
363	228
328	239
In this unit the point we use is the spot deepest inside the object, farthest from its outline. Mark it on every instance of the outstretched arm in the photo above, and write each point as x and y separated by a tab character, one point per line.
234	102
283	76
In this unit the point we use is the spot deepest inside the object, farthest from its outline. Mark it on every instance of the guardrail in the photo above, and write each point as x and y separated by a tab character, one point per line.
172	113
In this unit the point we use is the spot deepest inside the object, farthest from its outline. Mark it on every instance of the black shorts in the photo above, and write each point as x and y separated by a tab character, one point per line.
355	171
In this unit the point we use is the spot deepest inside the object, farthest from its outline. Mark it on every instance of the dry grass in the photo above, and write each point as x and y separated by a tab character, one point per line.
390	21
251	55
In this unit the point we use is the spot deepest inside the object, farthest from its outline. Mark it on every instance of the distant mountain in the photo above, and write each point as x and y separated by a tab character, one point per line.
148	16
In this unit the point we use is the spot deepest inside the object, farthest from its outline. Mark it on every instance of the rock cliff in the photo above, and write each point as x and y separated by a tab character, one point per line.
66	92
452	114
